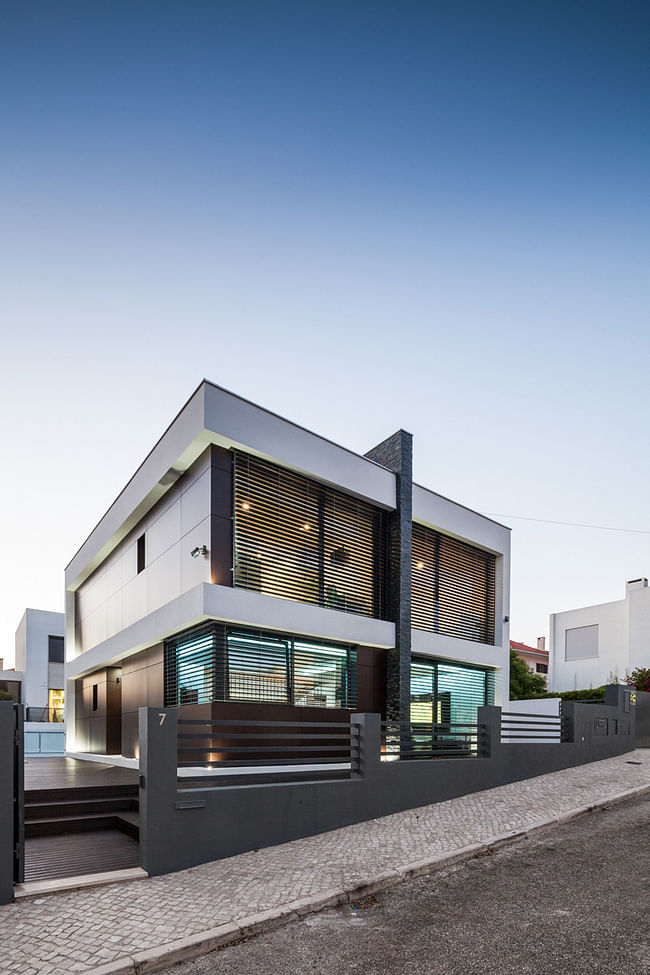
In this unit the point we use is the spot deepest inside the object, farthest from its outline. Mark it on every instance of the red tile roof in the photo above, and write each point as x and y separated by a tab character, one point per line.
523	648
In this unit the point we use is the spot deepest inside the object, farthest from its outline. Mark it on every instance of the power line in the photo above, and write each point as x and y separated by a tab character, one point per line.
571	524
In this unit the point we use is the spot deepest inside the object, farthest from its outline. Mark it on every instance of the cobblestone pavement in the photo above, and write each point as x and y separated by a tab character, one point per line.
83	930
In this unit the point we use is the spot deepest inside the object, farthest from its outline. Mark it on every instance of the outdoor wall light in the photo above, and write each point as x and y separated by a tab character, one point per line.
199	550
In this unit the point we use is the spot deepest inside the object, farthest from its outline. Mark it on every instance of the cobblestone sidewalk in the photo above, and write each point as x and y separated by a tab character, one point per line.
141	925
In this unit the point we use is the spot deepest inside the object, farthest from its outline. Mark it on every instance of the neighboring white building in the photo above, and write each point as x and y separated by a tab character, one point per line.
39	667
244	571
594	644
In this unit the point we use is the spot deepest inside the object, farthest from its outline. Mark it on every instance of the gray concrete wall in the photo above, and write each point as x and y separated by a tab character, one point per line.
180	829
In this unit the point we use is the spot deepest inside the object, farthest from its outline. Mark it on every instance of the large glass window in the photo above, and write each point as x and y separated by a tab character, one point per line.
300	540
452	587
448	694
218	663
55	704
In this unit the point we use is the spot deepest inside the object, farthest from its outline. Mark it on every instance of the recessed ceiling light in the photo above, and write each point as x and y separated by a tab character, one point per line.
306	526
245	505
419	565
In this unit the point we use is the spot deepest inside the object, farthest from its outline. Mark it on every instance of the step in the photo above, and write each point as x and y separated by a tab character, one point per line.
80	824
75	805
129	823
80	792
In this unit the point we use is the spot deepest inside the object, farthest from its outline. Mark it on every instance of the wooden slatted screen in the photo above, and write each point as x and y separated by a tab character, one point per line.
301	540
453	587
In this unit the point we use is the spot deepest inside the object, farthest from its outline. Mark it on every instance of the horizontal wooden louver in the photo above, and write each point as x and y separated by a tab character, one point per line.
218	663
452	587
300	540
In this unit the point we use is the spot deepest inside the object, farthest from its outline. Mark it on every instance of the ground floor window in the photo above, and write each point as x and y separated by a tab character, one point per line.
448	694
55	704
220	663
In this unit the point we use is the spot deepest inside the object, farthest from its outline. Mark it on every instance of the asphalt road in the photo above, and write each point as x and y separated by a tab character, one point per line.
573	899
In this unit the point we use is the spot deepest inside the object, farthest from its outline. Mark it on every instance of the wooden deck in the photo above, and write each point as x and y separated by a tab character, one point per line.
72	809
71	773
76	854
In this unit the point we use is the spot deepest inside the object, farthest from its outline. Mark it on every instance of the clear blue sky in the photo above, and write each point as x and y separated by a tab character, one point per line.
361	215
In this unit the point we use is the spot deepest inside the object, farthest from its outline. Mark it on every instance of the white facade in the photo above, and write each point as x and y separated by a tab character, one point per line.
594	645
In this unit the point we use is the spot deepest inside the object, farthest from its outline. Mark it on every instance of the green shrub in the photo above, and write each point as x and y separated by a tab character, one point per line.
523	683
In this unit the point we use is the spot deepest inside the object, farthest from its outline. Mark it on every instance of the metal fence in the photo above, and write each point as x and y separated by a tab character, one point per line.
49	715
401	740
221	752
527	726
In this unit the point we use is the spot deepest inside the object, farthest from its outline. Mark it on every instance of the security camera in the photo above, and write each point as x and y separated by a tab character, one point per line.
199	550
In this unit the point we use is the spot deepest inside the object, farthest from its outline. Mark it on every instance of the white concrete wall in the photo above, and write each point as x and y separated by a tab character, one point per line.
115	596
32	654
612	622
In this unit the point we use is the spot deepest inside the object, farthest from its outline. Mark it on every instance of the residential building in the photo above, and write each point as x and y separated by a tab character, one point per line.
38	681
535	658
253	569
600	644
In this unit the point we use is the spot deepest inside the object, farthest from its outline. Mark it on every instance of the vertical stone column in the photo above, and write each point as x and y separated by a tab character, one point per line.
396	453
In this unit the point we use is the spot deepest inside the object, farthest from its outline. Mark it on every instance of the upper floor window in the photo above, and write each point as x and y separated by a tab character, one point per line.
452	587
300	540
140	554
55	649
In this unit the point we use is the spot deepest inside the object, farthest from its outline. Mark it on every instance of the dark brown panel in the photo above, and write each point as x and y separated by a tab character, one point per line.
221	539
371	681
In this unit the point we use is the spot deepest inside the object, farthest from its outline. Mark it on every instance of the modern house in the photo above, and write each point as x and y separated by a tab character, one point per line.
535	658
595	645
253	569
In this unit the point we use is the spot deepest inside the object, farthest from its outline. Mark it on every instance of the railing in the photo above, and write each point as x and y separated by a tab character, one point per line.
226	750
408	740
525	726
50	715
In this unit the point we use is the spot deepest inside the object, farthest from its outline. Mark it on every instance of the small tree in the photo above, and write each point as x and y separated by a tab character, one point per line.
639	678
5	696
523	683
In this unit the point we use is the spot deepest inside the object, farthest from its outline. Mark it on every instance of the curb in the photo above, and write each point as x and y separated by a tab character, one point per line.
185	949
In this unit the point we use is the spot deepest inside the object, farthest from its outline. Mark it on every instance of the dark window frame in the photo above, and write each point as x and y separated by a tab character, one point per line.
55	649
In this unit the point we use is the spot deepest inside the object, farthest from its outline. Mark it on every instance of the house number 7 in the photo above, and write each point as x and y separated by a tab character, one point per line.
162	716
